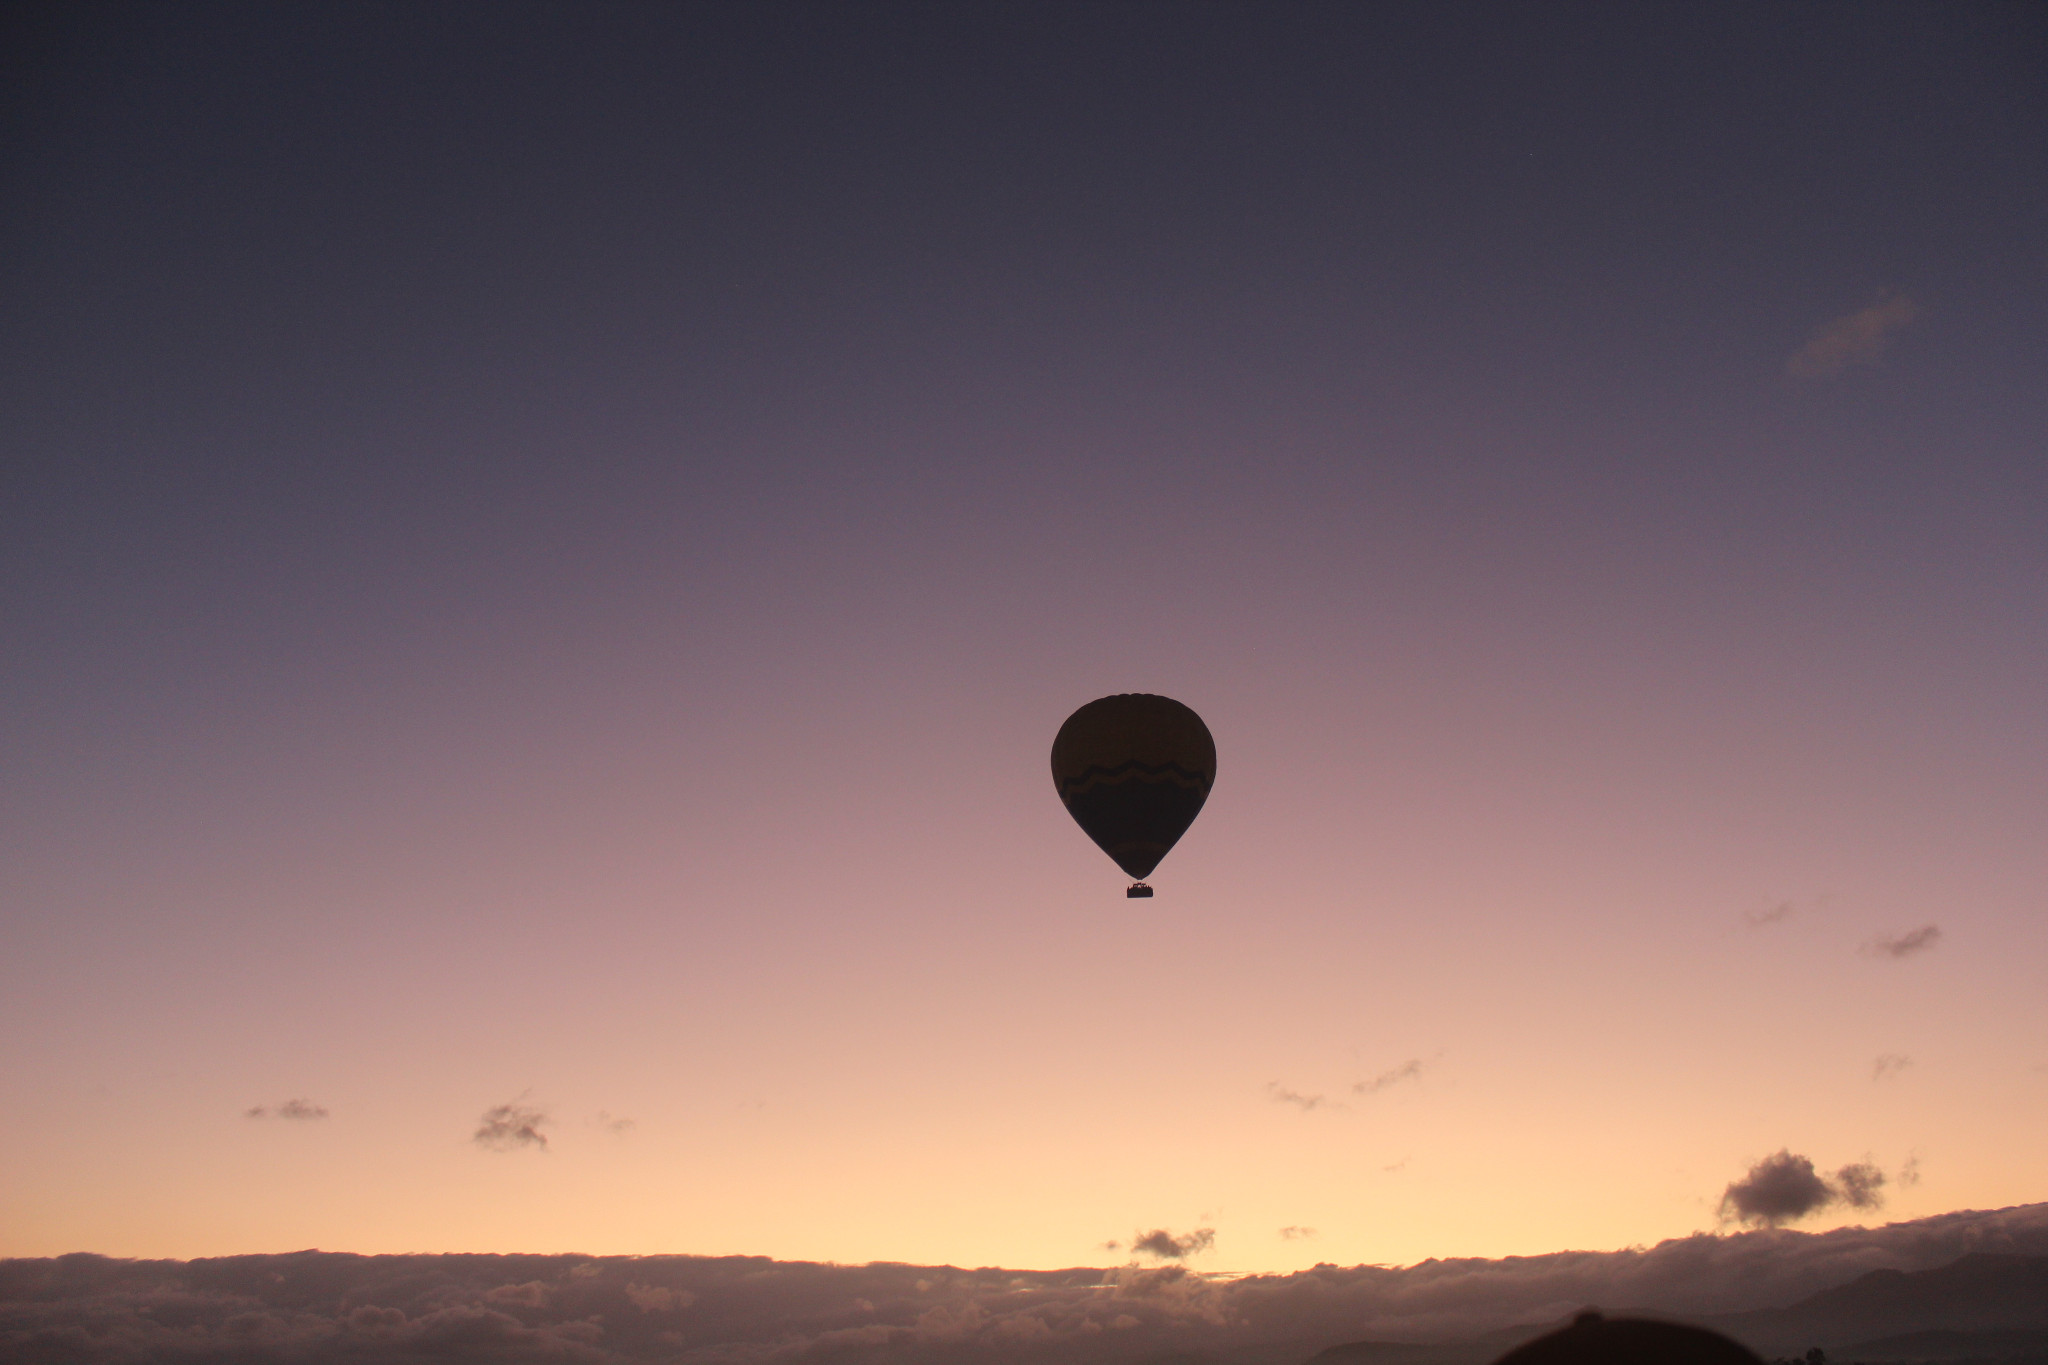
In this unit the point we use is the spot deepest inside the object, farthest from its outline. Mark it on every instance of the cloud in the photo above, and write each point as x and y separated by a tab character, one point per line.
508	1127
1860	1185
301	1110
1784	1188
1889	1065
1407	1071
1857	339
749	1310
655	1298
1167	1247
616	1126
531	1294
1282	1095
1778	1189
1292	1233
1906	944
1776	914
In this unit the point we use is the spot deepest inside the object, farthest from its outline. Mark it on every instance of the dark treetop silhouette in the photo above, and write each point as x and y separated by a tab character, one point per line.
1134	770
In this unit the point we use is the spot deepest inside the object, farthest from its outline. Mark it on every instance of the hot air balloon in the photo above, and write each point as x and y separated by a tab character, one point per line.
1133	770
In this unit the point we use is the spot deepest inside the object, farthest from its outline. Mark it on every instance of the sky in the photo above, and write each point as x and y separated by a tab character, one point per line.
543	549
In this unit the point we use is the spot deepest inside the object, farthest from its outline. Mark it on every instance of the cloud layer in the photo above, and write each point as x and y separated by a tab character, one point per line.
318	1307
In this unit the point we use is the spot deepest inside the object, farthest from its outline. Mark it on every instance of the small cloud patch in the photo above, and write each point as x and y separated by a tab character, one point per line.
1889	1065
509	1127
1906	944
1860	1185
1163	1245
1291	1233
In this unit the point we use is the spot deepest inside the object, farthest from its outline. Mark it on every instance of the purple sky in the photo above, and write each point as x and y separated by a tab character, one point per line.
543	548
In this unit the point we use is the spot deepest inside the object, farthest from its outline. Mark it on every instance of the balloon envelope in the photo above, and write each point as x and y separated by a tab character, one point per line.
1133	770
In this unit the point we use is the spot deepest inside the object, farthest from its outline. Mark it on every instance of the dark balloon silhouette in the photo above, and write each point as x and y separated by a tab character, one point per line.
1133	770
1595	1340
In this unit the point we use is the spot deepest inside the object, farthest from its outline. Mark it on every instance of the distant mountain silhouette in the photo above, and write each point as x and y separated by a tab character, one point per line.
1983	1307
1978	1294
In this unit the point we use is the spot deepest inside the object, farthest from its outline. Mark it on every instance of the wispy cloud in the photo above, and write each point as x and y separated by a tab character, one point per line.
1889	1065
301	1110
1166	1247
1776	914
1407	1071
1784	1188
613	1124
1906	944
509	1127
1856	339
1294	1233
1280	1094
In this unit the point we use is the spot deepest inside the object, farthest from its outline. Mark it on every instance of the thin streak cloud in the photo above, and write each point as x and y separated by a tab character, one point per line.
1407	1071
1906	944
1280	1094
1858	338
1776	914
300	1110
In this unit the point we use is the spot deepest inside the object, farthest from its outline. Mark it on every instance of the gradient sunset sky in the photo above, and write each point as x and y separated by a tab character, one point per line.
543	549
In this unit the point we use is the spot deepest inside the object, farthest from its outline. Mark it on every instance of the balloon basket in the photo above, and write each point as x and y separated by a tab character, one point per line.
1139	891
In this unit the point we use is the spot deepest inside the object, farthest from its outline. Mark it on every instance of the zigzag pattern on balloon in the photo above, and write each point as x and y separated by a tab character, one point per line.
1095	776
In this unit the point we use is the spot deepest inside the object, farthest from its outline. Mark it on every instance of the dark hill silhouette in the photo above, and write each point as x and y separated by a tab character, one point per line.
1592	1339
